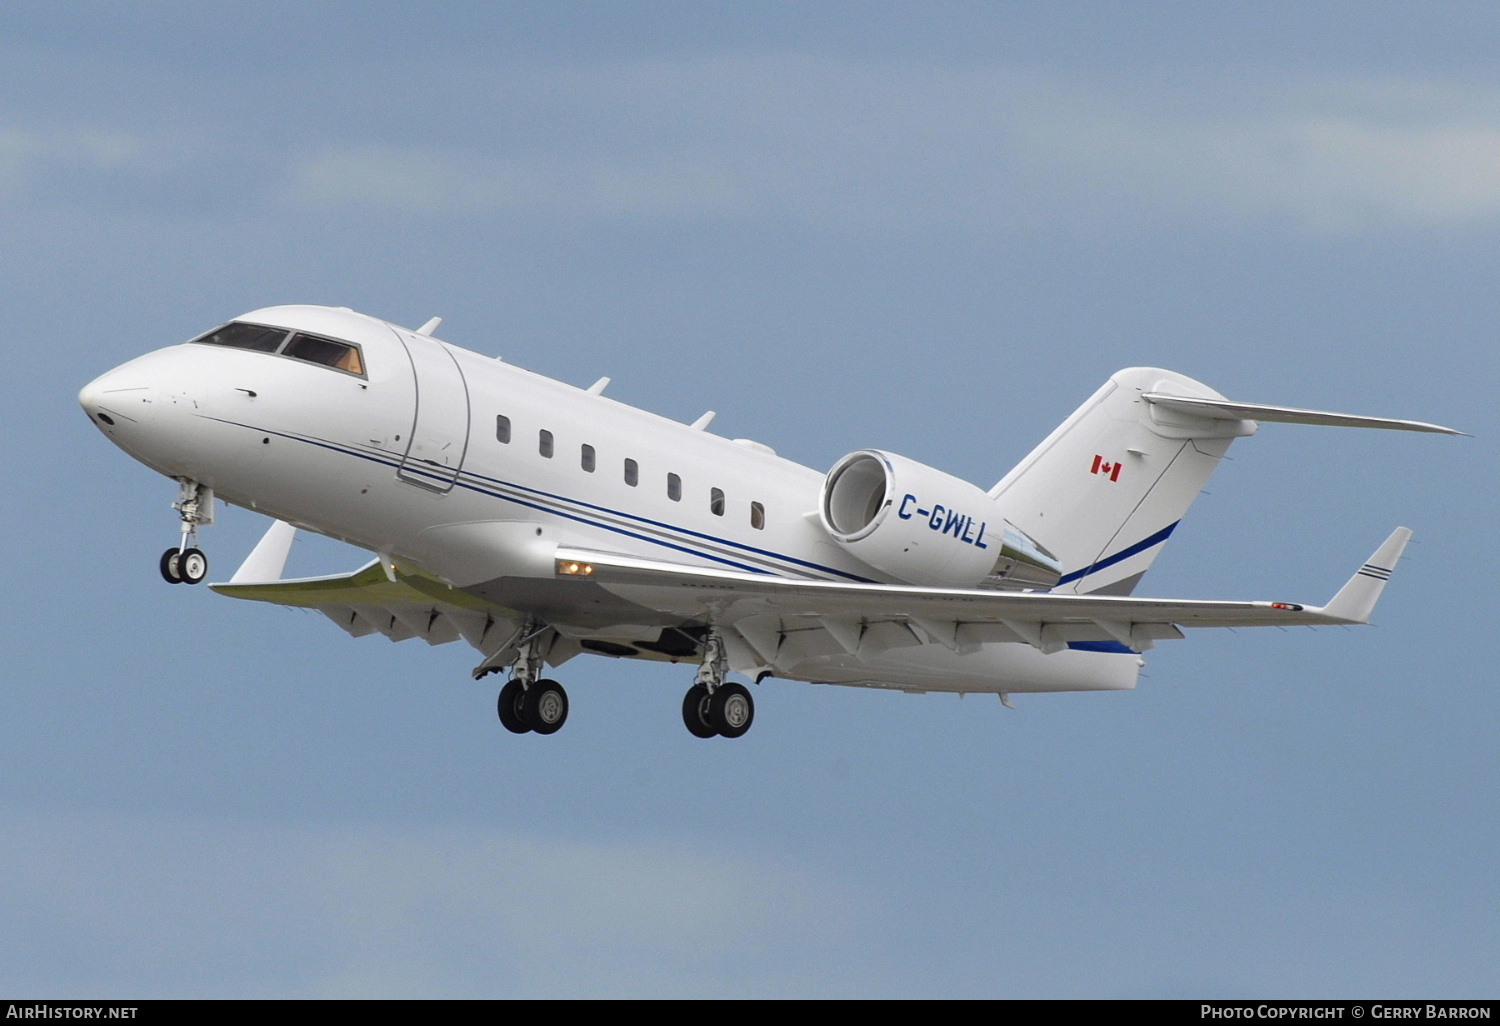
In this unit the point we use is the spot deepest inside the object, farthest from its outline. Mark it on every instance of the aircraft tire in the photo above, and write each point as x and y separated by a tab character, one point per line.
169	567
545	706
731	710
509	706
192	566
695	712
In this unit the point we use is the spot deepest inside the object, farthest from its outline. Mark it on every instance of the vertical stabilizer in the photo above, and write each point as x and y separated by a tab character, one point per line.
1107	488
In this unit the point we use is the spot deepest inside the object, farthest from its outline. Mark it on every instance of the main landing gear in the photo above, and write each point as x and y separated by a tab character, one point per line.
541	706
530	702
186	564
714	707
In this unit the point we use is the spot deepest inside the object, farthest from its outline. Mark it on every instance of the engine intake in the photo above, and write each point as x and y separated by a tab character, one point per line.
926	527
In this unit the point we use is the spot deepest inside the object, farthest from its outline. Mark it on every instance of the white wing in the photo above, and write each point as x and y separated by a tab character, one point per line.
375	599
403	604
1047	621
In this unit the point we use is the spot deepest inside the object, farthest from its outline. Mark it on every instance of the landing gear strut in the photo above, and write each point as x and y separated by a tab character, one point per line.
186	564
530	702
714	707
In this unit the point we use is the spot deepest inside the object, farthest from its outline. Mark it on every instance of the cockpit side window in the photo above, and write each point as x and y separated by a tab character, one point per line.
338	355
245	336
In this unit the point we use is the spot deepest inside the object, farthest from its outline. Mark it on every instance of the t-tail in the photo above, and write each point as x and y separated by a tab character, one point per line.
1106	489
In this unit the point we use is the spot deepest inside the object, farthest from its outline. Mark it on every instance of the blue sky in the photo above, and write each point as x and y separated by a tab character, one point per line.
932	228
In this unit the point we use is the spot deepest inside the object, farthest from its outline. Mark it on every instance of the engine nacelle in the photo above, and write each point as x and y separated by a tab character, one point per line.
926	527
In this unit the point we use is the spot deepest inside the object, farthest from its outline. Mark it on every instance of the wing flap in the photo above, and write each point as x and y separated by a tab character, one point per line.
349	620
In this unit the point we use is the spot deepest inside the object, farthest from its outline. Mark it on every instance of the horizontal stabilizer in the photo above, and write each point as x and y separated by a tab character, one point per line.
1227	409
1356	600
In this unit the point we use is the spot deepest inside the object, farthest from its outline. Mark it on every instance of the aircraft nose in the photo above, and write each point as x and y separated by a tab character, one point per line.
108	389
88	397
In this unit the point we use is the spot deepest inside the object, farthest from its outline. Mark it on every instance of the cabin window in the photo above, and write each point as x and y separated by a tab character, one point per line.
245	336
757	516
716	501
632	473
338	355
544	443
586	458
502	429
674	487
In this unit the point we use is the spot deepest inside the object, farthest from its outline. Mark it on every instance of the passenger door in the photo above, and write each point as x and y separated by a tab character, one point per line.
439	436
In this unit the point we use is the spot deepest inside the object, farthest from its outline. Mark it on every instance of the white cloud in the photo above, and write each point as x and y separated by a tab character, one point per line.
29	152
162	906
838	141
428	181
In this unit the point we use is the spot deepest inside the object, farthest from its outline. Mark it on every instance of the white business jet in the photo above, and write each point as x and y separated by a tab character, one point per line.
538	521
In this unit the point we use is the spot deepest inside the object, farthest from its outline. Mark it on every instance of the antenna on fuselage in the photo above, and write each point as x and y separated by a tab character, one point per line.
703	421
598	387
430	326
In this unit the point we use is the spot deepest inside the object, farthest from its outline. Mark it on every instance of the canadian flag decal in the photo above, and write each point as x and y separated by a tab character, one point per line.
1109	470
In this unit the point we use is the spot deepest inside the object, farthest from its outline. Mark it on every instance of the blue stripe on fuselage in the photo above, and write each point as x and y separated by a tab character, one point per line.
1101	646
387	459
1123	554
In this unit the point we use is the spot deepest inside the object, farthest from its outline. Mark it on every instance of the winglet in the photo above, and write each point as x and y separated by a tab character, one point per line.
1356	600
267	560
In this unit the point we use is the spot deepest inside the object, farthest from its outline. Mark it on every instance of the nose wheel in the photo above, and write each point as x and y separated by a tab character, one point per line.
186	564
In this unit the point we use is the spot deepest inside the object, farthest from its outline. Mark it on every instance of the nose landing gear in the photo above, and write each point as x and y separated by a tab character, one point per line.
186	564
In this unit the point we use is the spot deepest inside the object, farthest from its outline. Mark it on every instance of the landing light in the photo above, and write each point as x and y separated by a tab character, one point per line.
572	568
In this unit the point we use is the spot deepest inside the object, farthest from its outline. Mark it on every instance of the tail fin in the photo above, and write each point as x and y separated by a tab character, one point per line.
1107	488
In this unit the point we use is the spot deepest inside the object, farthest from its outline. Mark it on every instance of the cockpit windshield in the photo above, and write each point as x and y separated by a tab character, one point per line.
298	345
339	355
246	336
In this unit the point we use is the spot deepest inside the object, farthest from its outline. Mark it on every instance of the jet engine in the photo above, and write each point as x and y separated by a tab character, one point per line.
925	527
